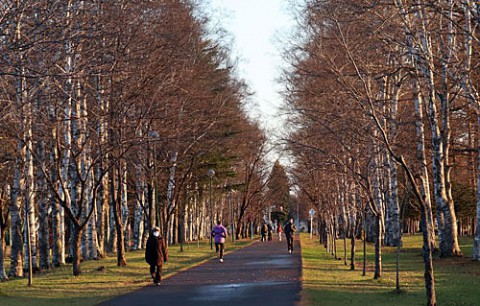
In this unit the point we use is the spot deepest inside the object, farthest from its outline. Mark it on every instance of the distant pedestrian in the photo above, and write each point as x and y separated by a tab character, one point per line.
219	233
279	231
156	254
269	231
264	231
290	230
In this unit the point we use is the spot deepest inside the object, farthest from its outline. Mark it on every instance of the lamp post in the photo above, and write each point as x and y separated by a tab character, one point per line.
210	174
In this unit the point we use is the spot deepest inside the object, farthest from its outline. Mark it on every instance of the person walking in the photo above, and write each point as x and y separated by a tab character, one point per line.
219	233
290	230
263	231
269	231
156	254
279	231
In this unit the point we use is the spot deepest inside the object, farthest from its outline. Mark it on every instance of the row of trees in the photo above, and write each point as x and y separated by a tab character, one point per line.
383	98
111	115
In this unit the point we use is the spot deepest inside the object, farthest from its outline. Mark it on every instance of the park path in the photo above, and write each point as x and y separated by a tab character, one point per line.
262	274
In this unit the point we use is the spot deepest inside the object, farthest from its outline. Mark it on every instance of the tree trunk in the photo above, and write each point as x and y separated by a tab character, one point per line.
92	232
181	226
353	226
427	258
102	212
170	203
138	222
112	243
378	247
16	254
444	96
44	235
392	237
16	268
476	241
124	203
447	227
117	213
422	161
377	210
352	251
43	206
58	228
474	99
150	205
364	236
76	254
29	198
102	194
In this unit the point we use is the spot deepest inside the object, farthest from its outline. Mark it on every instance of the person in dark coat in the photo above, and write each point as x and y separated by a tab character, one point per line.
289	231
269	231
156	254
264	231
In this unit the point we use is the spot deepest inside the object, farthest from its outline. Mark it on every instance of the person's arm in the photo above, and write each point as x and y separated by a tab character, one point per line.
148	256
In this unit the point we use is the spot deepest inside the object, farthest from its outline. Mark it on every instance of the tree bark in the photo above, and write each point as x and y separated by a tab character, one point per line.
378	247
43	206
58	218
447	226
476	240
16	253
76	254
116	191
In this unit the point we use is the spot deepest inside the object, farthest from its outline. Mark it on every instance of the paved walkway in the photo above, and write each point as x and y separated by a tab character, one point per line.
262	274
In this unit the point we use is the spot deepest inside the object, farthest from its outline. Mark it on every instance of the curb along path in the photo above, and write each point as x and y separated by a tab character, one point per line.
261	274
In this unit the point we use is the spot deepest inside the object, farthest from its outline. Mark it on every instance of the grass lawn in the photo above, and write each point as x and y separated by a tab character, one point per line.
101	279
327	281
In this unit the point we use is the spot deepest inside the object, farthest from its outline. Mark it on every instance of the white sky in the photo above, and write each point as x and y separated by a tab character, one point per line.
257	26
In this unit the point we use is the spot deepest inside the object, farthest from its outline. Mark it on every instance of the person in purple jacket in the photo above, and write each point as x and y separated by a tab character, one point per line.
219	233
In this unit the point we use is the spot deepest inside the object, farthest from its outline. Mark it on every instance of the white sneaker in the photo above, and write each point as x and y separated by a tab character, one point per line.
221	260
290	251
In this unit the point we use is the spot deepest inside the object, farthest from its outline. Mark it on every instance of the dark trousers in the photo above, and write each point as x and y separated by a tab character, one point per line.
219	247
290	243
156	272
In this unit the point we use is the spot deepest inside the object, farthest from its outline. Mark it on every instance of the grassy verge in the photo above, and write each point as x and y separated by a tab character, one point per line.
101	279
327	281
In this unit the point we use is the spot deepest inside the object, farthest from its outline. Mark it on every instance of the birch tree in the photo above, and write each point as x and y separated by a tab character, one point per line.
467	76
425	58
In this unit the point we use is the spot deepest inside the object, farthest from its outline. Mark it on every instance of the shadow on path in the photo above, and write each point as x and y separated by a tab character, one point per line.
261	274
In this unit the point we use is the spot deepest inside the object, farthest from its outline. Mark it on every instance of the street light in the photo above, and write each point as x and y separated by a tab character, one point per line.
210	174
